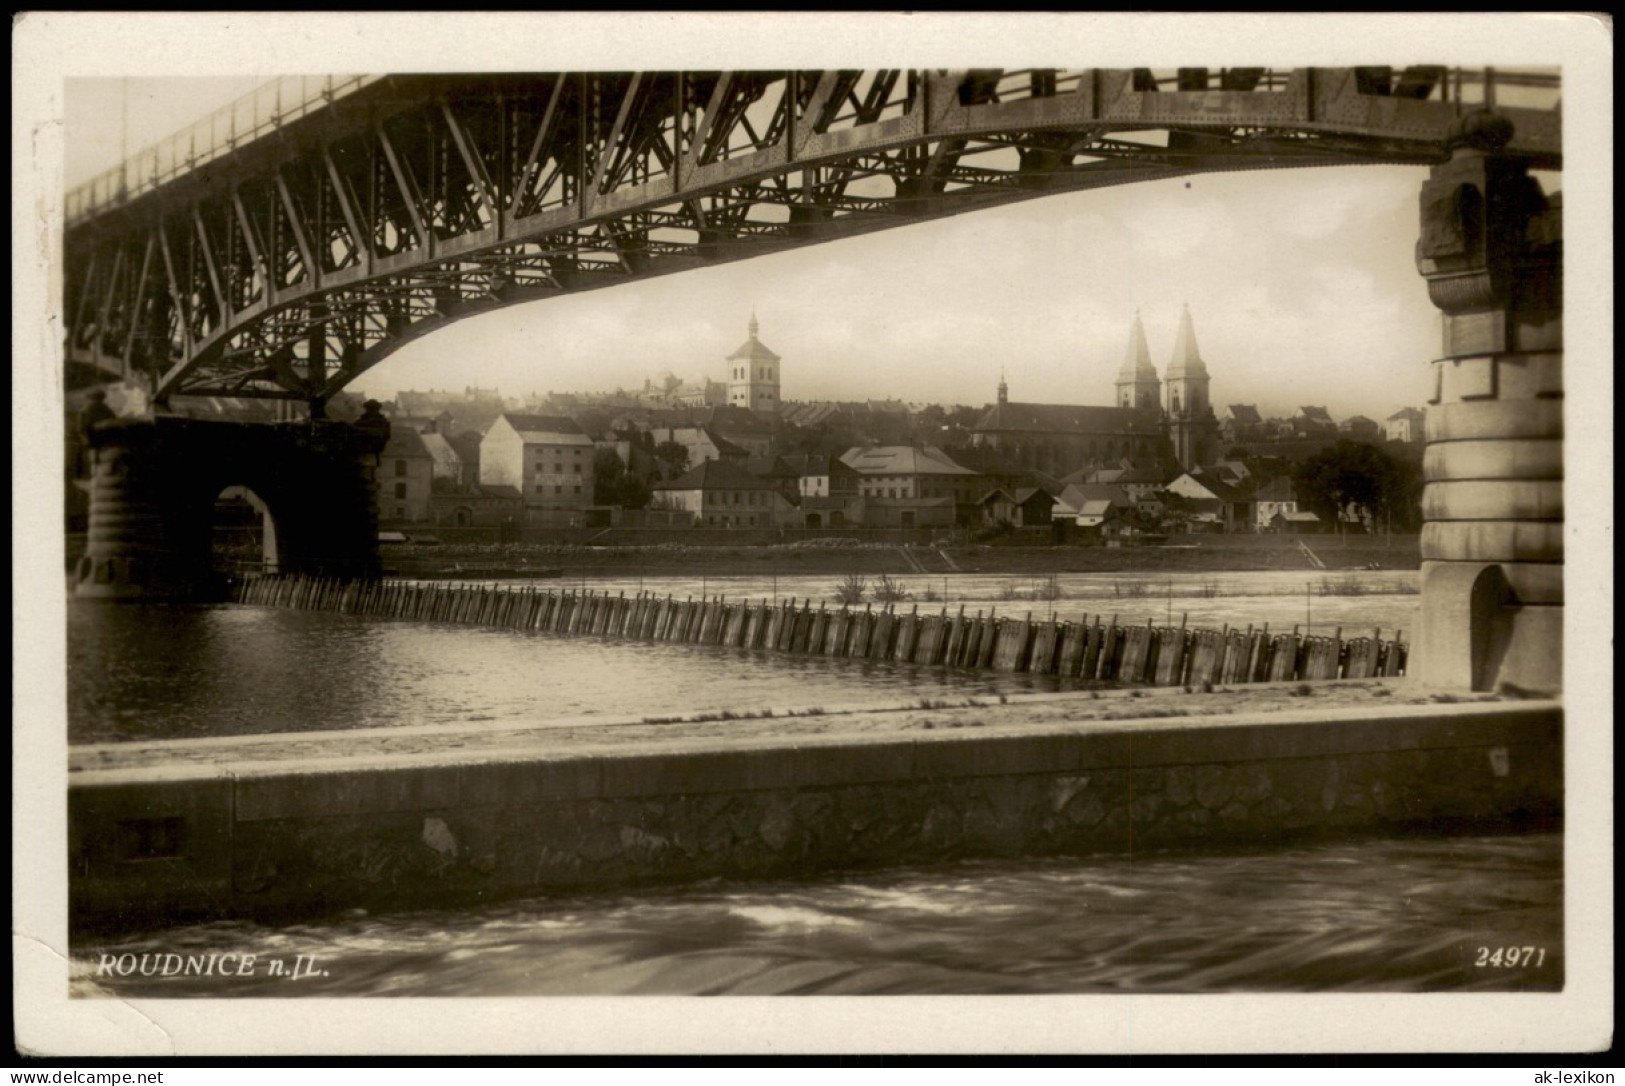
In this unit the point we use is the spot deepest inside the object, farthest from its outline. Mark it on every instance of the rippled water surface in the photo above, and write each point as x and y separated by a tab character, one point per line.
154	672
1392	915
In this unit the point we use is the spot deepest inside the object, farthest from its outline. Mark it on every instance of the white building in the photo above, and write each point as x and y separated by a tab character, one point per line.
753	375
547	458
1404	425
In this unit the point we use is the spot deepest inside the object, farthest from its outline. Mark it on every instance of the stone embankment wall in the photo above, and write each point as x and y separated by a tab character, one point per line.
1164	656
269	839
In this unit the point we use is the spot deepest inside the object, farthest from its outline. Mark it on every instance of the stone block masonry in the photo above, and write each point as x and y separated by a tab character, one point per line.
235	836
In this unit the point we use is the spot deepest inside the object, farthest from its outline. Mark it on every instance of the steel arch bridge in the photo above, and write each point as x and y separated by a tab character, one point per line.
285	245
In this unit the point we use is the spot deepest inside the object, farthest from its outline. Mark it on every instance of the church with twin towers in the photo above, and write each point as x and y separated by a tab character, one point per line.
1153	418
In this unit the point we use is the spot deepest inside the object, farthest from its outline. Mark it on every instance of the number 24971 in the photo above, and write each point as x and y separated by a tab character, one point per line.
1511	957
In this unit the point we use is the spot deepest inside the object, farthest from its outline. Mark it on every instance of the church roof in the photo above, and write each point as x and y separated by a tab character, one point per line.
1187	360
1052	418
1137	362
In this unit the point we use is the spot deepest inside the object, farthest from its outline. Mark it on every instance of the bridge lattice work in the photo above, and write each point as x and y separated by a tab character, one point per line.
288	257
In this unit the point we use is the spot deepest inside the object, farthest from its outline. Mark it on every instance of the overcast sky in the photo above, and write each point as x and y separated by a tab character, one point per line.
1301	283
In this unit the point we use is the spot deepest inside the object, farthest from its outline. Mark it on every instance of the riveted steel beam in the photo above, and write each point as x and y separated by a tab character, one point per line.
488	190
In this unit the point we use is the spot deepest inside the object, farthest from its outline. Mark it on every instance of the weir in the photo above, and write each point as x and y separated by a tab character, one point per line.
1098	652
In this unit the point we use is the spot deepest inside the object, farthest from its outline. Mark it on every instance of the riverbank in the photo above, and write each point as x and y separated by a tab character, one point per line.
843	555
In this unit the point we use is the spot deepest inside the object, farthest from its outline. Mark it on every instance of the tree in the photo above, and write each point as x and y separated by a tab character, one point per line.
612	484
1351	477
672	457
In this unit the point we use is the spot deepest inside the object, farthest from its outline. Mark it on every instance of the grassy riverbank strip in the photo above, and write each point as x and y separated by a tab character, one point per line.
842	555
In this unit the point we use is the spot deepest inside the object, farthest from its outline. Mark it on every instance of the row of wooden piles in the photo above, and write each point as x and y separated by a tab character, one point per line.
1096	650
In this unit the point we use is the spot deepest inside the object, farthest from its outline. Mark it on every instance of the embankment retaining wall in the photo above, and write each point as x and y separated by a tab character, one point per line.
266	838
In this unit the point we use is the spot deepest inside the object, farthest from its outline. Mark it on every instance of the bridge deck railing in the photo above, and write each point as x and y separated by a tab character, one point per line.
289	98
255	114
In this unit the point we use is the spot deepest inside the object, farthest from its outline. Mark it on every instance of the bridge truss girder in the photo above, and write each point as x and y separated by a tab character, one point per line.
294	264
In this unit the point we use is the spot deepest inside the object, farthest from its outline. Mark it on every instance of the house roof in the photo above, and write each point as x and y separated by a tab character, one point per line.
405	442
1406	413
549	429
718	475
902	460
1077	500
442	450
1050	418
1245	413
1211	484
809	414
692	435
1316	414
1077	493
771	467
887	407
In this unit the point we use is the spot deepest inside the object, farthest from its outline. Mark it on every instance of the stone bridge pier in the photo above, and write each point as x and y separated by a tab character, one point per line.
1492	542
155	482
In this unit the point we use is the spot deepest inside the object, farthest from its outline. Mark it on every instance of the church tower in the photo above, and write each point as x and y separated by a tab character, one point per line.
753	375
1191	424
1137	384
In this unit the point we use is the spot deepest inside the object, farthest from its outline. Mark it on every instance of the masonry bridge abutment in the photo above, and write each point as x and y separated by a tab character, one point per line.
155	481
1492	538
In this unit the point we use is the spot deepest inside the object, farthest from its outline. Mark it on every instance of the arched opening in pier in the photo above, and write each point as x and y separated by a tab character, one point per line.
242	534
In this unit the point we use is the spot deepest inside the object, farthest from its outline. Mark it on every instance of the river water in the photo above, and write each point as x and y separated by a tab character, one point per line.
1392	914
150	671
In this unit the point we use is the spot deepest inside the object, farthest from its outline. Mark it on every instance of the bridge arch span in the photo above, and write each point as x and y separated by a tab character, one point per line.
287	263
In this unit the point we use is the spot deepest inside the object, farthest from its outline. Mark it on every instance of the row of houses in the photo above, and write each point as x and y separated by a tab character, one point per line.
538	471
1241	424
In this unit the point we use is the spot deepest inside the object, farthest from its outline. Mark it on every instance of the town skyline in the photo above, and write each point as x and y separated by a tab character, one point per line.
1353	330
